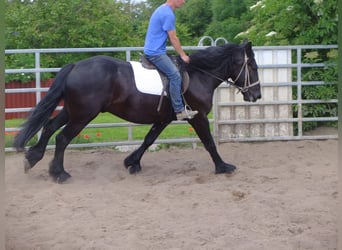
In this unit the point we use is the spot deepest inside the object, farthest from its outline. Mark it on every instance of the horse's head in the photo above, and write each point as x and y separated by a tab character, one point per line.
244	73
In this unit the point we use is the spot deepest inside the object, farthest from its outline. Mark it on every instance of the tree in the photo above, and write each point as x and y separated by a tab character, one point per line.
143	11
229	18
293	22
64	23
154	3
196	15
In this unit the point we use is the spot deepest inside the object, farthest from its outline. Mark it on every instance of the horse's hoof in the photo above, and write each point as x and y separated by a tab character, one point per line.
62	177
134	169
225	169
27	166
128	162
33	157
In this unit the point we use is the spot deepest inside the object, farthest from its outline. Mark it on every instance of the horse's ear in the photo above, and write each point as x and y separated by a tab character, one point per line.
248	47
245	41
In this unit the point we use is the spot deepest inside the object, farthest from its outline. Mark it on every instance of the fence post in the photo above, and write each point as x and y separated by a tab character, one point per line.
38	78
130	128
216	117
299	92
38	84
128	55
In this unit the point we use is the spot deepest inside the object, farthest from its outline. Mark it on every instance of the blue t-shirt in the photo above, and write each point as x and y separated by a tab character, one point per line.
162	20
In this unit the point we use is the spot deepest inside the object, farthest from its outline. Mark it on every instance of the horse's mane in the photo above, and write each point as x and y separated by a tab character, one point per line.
213	57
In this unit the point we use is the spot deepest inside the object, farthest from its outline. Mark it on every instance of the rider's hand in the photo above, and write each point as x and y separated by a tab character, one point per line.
185	58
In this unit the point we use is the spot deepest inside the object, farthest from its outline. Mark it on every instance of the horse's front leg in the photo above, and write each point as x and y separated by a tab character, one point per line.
132	162
201	126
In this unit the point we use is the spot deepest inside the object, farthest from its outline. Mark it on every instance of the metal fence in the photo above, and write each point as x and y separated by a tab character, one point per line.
274	119
130	53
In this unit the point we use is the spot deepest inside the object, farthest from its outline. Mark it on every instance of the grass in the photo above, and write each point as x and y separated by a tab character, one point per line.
96	135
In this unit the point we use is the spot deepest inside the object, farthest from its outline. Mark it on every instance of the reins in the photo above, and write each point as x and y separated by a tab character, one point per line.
230	81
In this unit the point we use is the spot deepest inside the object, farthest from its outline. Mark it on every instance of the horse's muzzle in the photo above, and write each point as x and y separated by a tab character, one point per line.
251	96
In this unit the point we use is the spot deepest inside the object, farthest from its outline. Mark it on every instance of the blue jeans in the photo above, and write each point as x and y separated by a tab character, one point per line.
165	65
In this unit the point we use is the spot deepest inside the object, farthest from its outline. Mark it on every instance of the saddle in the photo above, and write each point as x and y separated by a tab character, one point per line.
176	61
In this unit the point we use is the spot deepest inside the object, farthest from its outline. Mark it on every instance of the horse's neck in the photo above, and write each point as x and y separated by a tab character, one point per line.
209	82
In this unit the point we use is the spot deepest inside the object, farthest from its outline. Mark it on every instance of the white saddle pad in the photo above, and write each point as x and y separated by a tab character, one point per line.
148	81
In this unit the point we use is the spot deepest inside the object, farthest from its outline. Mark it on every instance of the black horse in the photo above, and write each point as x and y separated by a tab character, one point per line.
105	84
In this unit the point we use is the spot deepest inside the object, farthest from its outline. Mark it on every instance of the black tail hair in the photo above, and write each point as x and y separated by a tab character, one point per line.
40	115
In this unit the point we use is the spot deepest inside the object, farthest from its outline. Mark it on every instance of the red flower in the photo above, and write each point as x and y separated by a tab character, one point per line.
86	136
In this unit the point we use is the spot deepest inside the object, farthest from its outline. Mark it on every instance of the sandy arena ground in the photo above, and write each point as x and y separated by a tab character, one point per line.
282	197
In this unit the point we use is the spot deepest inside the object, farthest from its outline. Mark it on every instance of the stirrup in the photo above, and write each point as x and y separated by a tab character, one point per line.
187	113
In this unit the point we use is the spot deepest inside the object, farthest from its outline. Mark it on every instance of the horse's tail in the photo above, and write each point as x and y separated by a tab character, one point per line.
40	115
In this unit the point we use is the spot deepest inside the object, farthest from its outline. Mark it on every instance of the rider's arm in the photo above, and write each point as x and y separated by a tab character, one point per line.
177	45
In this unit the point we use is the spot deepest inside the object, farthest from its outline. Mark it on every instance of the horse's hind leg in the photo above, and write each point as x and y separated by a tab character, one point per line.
36	152
132	162
56	169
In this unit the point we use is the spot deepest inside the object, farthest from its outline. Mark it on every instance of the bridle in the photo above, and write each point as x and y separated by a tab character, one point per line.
247	82
230	81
